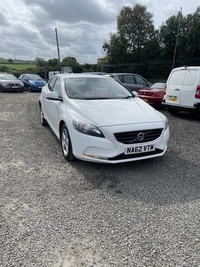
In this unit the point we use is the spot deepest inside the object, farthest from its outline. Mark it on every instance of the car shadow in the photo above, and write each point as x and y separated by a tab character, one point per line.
166	180
159	181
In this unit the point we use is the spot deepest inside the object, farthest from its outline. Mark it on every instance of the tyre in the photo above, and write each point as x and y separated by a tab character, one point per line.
173	111
42	119
28	88
66	144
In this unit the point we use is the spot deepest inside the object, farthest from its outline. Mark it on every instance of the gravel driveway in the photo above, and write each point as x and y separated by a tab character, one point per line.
60	214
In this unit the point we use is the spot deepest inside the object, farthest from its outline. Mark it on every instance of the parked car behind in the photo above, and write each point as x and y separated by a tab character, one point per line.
32	82
153	95
97	119
132	81
183	90
10	83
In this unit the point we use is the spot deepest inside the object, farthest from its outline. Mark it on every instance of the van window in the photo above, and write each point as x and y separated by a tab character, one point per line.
191	78
183	77
177	78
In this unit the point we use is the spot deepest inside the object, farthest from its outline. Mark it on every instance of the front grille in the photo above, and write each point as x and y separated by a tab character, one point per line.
131	137
139	155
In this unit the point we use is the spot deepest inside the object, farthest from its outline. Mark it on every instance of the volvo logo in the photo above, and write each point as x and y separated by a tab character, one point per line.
140	137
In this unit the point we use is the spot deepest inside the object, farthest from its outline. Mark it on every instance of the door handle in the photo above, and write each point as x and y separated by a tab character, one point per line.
177	89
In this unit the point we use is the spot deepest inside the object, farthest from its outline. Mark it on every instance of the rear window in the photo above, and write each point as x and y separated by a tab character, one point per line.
191	78
186	77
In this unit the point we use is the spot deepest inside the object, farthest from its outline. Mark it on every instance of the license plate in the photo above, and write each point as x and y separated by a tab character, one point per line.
15	86
145	99
172	98
139	149
39	87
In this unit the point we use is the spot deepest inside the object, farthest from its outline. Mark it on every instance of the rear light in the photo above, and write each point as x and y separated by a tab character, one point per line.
197	94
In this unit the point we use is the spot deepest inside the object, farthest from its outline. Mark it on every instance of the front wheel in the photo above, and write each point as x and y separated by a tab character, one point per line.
66	144
29	88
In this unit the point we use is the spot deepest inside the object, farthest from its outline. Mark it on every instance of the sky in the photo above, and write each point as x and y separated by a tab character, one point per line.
28	27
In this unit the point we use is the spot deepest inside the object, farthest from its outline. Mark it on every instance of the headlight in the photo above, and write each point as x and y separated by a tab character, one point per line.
5	83
32	82
166	121
86	128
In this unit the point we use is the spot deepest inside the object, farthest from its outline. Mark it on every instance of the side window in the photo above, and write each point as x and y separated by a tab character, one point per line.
120	78
129	79
57	87
139	80
51	83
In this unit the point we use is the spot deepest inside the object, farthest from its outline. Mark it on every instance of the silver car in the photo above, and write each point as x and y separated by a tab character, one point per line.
10	83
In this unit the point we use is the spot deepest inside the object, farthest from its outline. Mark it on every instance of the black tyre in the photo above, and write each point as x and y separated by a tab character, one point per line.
173	111
28	88
42	119
66	144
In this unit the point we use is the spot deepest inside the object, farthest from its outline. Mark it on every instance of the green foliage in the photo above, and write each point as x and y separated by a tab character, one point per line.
3	68
69	61
136	39
135	29
53	64
40	62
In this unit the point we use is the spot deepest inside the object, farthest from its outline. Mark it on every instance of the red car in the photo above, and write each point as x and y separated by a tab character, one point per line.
154	94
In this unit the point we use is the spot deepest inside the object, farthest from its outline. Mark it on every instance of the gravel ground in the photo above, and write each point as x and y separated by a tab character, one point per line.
60	214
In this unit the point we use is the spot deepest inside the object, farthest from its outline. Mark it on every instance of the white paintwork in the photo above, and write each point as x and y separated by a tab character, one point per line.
109	115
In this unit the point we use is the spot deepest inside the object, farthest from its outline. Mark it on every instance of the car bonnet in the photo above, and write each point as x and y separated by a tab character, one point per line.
114	112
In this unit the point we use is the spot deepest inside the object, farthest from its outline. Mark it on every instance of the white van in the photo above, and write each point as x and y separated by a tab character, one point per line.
183	90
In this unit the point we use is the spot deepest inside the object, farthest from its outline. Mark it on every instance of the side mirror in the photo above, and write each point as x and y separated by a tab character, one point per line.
134	93
53	96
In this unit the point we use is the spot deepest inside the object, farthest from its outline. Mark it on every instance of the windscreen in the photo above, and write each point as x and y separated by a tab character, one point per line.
95	88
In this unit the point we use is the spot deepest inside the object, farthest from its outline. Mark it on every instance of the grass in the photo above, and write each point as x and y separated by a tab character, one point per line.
16	65
19	66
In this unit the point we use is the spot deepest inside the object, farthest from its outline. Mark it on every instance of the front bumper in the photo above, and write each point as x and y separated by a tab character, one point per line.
109	150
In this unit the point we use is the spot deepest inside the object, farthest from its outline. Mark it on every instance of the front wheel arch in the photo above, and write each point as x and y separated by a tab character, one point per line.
66	144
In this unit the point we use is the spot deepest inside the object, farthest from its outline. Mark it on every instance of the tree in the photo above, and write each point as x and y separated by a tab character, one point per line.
116	49
3	68
135	28
53	63
10	61
40	61
70	61
192	38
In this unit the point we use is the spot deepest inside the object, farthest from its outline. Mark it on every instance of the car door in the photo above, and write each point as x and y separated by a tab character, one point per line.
129	81
189	87
46	105
24	79
174	86
54	107
141	82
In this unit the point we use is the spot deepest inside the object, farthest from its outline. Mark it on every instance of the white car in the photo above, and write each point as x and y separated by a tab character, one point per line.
99	120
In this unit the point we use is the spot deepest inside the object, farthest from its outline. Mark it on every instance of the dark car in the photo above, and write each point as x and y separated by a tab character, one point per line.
132	81
32	82
10	83
153	95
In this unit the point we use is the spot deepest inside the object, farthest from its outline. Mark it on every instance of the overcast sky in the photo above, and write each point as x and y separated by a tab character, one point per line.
27	27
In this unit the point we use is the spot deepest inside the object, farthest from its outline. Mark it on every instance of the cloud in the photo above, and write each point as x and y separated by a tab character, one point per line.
27	27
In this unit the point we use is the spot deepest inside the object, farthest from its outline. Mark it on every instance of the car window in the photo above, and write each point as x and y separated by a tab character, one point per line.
139	80
51	83
57	87
95	88
120	78
129	79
